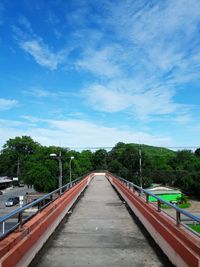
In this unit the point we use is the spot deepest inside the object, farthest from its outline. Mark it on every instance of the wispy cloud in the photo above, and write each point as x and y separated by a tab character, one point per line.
156	50
142	104
40	93
182	119
137	62
105	99
6	104
101	62
36	47
42	54
166	32
49	132
23	21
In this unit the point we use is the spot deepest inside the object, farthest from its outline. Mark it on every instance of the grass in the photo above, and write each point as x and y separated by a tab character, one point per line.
181	206
195	227
165	206
184	205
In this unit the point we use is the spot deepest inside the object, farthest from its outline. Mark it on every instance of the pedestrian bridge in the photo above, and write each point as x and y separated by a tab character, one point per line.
99	231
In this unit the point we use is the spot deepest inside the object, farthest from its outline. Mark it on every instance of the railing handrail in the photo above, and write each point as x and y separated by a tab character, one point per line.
29	205
162	200
19	211
178	210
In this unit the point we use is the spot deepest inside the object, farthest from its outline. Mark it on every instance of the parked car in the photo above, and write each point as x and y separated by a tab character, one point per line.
12	201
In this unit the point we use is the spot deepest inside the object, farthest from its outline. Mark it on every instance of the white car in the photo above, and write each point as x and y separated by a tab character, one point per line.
11	201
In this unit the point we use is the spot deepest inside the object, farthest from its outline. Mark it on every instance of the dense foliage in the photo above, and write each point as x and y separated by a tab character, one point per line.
34	166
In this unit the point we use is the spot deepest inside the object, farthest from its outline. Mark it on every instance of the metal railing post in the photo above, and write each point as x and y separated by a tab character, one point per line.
147	198
139	192
20	220
41	203
159	206
178	217
39	206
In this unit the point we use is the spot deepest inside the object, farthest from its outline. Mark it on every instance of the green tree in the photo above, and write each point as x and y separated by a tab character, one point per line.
42	179
100	159
14	154
197	152
21	146
84	162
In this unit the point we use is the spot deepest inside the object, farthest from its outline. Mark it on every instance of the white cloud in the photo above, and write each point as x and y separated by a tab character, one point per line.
77	133
154	102
106	136
141	103
6	104
166	32
42	54
155	50
103	99
40	92
30	119
101	62
138	60
182	119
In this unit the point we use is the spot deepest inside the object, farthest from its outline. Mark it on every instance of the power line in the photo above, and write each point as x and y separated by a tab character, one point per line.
111	147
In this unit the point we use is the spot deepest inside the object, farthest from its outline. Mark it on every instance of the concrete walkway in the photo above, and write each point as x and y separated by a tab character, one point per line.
100	232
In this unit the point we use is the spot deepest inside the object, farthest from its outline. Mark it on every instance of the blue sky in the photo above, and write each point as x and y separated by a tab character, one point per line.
93	73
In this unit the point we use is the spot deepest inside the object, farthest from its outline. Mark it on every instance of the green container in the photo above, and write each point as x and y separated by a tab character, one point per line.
166	197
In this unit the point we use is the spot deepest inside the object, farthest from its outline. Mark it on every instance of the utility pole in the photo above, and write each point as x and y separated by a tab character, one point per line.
60	168
18	168
140	166
59	158
70	170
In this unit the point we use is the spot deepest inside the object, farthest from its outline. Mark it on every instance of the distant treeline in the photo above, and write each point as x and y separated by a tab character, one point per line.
31	161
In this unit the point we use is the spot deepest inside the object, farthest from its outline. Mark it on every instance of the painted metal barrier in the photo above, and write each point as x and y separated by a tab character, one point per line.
19	247
23	214
178	242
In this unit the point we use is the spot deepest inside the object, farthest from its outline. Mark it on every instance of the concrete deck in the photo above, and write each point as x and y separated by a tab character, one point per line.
100	232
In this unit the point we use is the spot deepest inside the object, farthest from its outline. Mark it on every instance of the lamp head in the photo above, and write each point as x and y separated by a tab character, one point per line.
53	155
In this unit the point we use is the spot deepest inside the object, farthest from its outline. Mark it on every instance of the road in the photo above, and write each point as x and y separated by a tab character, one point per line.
12	192
7	193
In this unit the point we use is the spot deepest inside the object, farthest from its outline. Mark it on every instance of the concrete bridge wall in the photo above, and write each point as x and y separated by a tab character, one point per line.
181	247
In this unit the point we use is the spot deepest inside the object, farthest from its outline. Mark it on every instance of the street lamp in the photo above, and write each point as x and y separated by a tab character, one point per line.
70	170
140	166
58	157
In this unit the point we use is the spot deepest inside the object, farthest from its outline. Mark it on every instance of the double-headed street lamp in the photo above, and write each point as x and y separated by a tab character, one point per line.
58	157
70	170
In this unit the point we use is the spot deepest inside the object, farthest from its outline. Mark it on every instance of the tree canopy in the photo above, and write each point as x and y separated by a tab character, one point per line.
158	165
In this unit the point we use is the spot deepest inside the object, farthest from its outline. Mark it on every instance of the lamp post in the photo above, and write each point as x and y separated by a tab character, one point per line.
140	166
70	170
58	157
18	168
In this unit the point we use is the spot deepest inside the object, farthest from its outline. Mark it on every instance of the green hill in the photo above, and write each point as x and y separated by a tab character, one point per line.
158	156
154	151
